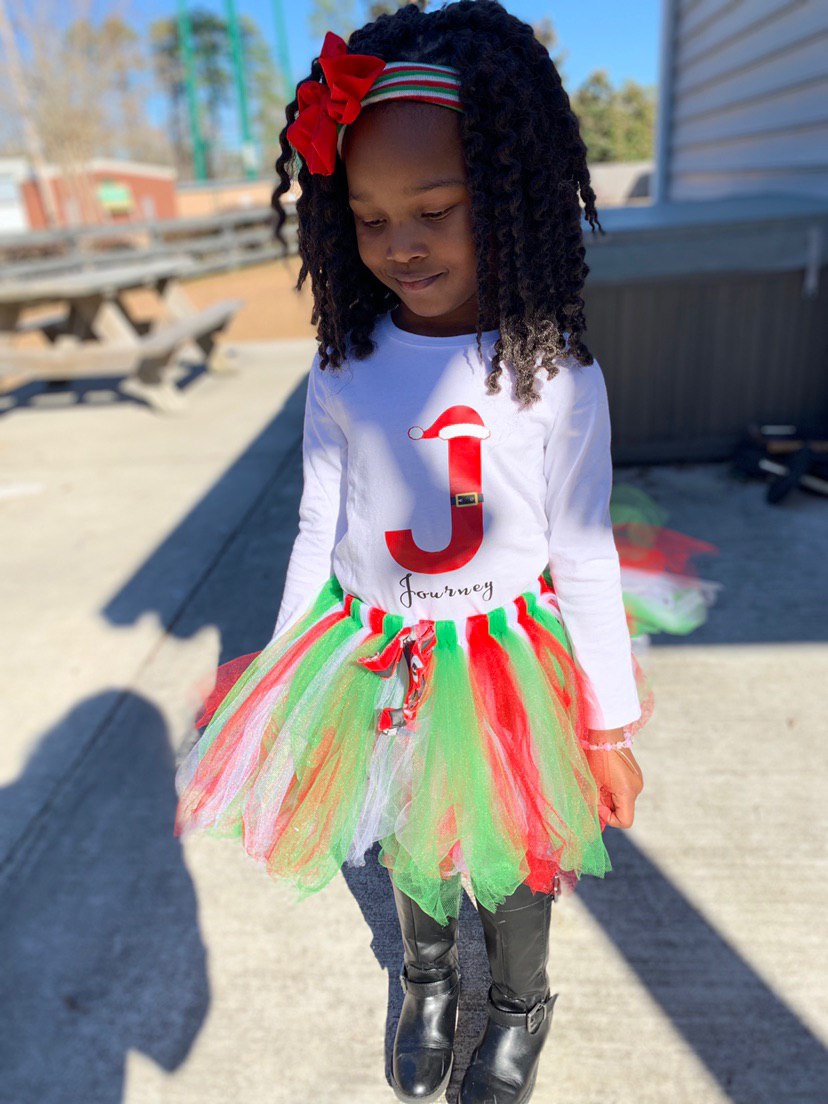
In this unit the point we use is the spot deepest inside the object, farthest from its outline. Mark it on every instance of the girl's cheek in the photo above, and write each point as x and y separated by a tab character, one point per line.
456	233
367	249
370	256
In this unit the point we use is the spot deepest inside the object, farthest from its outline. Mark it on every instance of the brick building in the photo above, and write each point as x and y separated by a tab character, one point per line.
111	191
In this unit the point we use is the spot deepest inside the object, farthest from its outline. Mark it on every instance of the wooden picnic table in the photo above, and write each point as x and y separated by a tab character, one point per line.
94	331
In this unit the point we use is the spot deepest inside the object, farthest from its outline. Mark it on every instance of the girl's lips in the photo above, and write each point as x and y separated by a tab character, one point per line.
418	285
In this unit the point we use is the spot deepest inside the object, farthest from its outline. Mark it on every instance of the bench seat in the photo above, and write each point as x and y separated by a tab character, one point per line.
66	357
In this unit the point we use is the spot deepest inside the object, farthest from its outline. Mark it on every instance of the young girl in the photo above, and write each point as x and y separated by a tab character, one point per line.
450	674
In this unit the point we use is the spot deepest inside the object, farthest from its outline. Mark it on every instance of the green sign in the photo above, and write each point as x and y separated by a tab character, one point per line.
115	197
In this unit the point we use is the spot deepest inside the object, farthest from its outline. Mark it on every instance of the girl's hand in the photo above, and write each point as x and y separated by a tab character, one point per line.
618	776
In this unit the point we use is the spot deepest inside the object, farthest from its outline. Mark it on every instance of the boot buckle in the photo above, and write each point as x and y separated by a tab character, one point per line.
535	1016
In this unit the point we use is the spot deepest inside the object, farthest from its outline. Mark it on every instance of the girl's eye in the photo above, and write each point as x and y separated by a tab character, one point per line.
432	215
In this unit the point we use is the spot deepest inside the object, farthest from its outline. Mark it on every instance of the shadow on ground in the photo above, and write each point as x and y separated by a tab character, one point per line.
748	1038
99	920
44	395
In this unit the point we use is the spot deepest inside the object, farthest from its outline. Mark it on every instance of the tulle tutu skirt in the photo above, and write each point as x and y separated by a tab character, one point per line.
663	592
455	745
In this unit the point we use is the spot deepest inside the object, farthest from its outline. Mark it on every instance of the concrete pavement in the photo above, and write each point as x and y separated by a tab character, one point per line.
140	551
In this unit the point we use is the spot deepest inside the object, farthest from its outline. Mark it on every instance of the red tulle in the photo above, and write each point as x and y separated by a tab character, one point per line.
227	675
520	789
651	548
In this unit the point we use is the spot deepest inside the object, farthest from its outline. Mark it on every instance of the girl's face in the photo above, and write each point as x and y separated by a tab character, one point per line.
410	200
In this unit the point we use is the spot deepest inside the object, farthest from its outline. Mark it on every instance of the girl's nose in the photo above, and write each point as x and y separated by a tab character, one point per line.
404	248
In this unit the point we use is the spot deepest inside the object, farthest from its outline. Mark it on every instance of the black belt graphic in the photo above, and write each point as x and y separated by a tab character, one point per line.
467	498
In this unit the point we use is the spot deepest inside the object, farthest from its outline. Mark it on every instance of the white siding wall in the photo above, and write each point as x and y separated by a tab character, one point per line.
13	216
745	96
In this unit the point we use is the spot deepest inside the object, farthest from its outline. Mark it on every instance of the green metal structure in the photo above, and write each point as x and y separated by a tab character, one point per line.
282	50
248	146
185	37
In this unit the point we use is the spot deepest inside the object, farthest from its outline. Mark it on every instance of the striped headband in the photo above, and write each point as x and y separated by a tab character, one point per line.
354	81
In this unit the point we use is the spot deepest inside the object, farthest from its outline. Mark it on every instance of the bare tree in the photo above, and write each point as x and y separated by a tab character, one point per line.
85	97
129	132
66	79
19	94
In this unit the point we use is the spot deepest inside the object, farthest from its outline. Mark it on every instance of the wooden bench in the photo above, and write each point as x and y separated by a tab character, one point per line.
146	355
51	326
167	338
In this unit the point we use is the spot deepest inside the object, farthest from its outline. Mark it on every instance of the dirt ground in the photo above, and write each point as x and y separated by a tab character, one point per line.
273	308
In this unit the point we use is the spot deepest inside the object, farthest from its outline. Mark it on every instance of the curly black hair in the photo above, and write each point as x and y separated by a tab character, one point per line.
526	163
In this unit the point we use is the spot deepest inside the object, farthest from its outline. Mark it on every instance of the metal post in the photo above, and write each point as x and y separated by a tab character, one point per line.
185	42
248	149
282	50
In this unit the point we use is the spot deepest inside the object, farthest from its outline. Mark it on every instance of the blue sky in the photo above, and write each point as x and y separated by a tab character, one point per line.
621	37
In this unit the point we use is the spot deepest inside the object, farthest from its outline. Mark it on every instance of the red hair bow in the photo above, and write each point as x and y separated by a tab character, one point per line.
321	106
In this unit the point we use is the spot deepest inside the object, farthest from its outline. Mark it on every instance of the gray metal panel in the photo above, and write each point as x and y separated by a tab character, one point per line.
705	316
726	210
689	362
675	240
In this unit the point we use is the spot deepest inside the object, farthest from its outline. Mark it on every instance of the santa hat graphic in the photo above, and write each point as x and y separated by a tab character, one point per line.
457	421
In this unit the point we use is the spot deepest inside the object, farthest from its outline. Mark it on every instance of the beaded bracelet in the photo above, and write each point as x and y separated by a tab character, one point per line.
626	742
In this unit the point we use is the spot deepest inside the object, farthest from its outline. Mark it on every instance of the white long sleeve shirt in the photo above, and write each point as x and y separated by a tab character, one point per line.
430	498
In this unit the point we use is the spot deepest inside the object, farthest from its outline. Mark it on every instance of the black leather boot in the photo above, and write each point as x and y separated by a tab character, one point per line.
423	1054
504	1064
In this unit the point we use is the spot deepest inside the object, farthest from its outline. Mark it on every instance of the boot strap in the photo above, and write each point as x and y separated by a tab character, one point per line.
440	987
531	1020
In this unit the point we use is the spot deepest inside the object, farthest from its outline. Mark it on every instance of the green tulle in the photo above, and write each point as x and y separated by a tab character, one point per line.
293	763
